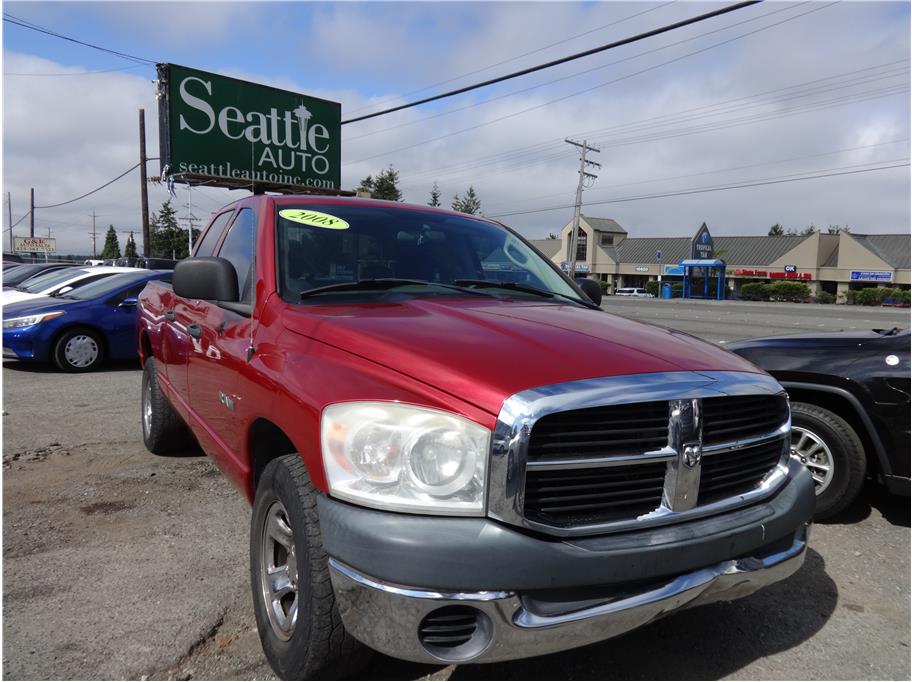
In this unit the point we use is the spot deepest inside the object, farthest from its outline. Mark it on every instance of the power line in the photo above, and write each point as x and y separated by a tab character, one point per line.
577	74
703	190
562	60
75	73
9	18
109	182
519	56
534	154
595	87
716	171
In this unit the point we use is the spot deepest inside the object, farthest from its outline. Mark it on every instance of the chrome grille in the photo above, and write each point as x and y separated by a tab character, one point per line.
617	453
600	431
736	417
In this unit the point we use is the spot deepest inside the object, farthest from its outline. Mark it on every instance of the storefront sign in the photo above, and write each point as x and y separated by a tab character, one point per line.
642	268
791	268
790	275
240	134
34	244
701	247
871	276
673	270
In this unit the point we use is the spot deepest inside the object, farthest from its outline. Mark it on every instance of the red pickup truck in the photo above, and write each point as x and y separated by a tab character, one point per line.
453	454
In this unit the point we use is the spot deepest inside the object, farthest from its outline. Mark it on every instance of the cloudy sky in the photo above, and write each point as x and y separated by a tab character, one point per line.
773	92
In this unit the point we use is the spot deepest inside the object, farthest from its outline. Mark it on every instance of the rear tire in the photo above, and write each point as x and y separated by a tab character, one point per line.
163	430
832	452
79	350
293	600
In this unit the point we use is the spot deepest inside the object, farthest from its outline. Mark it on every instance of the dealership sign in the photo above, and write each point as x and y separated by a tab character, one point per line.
872	276
233	133
34	244
701	247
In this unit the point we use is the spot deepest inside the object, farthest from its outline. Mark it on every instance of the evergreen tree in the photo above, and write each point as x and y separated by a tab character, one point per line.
367	185
435	195
470	203
130	247
776	231
112	245
386	186
167	238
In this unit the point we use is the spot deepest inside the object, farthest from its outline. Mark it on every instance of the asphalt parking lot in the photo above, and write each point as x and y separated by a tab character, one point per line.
121	564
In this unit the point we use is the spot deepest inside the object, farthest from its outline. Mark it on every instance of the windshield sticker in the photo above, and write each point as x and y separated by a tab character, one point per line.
313	219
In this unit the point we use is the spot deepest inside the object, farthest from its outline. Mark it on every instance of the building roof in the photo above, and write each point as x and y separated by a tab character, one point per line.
832	260
759	250
549	247
890	248
604	224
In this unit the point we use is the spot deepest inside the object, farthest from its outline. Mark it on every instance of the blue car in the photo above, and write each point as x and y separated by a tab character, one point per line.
80	329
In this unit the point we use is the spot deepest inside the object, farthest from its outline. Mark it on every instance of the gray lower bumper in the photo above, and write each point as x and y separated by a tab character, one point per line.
386	617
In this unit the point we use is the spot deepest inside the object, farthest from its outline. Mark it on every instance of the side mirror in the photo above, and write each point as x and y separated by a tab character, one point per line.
128	303
592	289
207	279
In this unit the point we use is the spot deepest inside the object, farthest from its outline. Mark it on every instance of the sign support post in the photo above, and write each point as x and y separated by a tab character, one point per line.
31	212
144	188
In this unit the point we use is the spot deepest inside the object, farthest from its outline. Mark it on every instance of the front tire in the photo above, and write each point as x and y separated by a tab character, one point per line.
79	350
299	625
833	453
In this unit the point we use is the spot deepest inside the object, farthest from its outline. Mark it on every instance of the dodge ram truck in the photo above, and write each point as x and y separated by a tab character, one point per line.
452	453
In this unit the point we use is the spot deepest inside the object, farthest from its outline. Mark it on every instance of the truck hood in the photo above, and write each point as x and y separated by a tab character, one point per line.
486	350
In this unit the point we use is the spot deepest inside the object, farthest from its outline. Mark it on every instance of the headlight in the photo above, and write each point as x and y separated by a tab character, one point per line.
29	320
405	458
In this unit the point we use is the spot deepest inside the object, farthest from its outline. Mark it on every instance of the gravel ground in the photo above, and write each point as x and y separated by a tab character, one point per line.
121	564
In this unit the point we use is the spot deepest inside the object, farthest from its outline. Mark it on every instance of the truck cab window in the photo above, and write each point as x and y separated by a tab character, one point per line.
238	248
205	245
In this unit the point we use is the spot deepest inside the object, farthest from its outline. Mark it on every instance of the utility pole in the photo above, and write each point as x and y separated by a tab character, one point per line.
32	212
583	176
9	206
93	234
144	188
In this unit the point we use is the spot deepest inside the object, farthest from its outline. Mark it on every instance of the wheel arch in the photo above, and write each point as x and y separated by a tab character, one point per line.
843	403
266	441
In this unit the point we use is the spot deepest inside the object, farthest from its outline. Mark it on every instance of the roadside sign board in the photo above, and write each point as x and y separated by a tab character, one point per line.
701	247
871	276
34	244
233	133
791	268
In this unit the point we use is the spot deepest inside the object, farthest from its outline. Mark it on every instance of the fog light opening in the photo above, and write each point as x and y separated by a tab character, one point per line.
455	633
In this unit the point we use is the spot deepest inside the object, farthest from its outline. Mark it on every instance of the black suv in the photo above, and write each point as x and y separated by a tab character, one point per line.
850	407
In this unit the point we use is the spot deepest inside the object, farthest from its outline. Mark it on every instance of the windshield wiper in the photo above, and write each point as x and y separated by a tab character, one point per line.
518	286
383	284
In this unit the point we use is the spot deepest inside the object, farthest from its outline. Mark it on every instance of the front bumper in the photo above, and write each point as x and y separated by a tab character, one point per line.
388	617
531	595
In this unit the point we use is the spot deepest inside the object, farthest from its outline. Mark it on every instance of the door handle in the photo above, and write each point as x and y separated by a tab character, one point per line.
194	330
170	315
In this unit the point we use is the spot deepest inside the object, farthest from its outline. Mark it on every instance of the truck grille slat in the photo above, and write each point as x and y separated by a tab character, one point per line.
566	498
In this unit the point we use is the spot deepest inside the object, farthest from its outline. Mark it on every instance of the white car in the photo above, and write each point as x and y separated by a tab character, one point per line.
57	282
633	291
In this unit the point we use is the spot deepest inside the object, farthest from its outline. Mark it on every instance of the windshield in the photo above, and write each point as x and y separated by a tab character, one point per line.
49	280
327	245
105	286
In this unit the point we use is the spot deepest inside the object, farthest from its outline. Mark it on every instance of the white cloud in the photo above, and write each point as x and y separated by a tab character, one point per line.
70	137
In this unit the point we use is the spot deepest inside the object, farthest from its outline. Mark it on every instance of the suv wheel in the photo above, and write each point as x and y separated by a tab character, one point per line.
163	430
293	600
831	450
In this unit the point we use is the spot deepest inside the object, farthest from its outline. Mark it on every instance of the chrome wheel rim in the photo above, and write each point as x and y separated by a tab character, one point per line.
80	351
279	572
147	406
814	453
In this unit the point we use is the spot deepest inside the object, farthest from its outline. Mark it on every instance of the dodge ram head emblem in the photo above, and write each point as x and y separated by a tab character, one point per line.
692	455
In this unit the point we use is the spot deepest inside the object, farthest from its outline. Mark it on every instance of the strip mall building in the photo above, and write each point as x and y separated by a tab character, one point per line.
835	263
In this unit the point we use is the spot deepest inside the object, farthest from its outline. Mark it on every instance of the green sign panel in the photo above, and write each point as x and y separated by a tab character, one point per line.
231	133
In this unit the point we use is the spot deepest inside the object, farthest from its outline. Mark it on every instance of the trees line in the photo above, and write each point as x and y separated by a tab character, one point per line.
386	186
167	238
